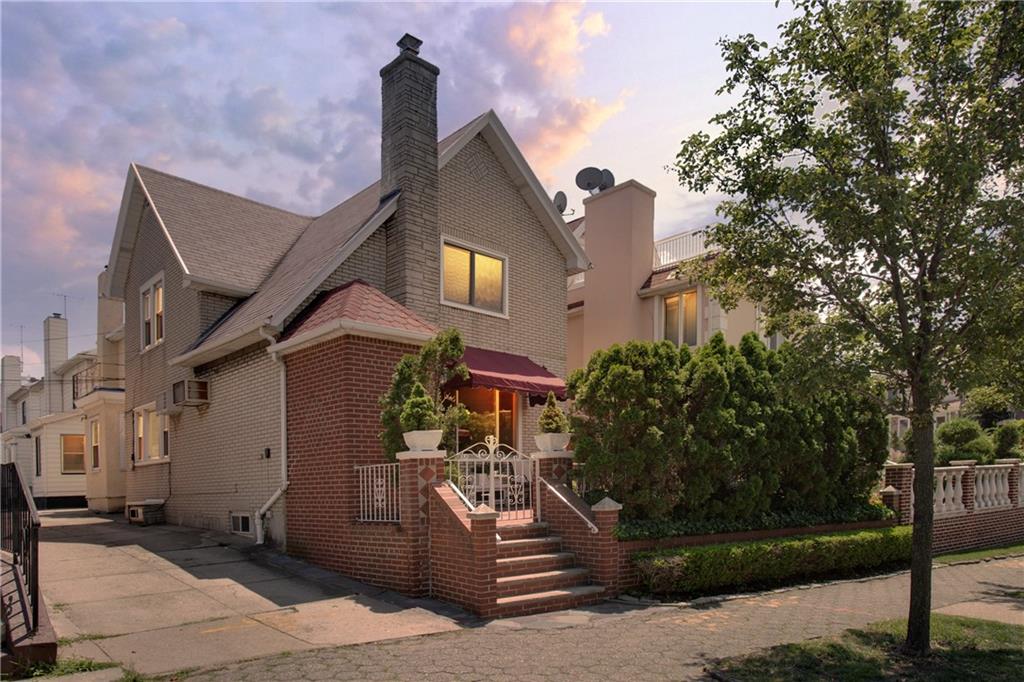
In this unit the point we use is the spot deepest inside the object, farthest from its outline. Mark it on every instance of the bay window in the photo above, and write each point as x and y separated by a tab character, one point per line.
473	279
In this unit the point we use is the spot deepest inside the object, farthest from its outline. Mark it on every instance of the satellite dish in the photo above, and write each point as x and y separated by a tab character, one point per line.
561	201
607	180
589	179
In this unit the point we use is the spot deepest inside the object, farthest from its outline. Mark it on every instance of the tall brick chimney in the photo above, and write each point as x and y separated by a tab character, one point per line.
408	163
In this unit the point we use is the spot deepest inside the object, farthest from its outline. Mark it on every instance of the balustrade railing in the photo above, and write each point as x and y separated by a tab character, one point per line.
19	535
678	248
992	486
379	498
949	490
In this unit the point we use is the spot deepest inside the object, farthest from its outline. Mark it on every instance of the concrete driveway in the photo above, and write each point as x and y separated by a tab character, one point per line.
166	598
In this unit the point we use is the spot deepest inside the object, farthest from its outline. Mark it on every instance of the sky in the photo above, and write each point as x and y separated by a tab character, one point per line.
281	103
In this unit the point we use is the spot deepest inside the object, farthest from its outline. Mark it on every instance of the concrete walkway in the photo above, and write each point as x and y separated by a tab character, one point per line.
615	642
164	598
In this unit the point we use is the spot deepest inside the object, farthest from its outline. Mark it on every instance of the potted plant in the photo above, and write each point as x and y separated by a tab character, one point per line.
554	427
421	421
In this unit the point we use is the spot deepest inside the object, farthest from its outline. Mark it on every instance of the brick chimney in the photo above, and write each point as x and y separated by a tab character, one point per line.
55	354
409	164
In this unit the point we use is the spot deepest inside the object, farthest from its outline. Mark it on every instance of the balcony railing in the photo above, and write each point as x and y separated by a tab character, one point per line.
679	247
91	379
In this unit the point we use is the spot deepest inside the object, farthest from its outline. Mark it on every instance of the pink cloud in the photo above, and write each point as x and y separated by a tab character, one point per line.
550	37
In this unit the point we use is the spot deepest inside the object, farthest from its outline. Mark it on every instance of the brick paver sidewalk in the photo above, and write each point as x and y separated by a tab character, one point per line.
657	643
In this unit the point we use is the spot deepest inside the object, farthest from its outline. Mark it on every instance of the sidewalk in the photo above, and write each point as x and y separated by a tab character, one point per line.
655	643
164	598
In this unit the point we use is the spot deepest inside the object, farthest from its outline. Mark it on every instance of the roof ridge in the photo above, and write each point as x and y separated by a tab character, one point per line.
224	191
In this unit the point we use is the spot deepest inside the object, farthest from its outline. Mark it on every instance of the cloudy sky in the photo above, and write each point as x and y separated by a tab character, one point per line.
281	103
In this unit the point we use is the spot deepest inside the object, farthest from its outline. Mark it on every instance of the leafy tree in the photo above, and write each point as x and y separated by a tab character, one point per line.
1007	437
963	439
872	173
438	363
988	405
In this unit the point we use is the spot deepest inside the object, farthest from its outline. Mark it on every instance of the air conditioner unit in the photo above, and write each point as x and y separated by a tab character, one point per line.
190	392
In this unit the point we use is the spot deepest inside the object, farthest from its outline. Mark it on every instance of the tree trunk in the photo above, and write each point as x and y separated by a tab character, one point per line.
919	618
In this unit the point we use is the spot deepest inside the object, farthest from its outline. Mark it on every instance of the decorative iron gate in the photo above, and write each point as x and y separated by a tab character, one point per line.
497	475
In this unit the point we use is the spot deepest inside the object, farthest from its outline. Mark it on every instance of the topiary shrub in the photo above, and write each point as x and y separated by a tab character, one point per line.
552	419
1006	437
987	405
765	563
963	439
420	413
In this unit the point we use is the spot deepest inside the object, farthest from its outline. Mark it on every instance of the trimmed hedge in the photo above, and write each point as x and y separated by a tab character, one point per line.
646	529
766	563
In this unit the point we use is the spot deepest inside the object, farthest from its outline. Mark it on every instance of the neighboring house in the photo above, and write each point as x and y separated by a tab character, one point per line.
42	430
258	341
98	392
632	291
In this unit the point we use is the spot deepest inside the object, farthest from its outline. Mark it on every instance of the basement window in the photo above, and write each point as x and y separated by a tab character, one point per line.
241	524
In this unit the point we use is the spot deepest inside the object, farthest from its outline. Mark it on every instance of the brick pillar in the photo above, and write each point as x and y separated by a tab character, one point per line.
554	466
483	527
901	478
1015	472
417	473
967	482
606	569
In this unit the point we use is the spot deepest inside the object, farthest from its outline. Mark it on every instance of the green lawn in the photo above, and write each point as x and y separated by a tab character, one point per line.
962	649
980	554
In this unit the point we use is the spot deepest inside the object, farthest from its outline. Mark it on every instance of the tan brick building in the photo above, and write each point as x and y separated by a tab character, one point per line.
458	232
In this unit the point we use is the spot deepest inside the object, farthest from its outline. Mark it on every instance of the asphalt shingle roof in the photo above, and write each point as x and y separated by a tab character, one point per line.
356	301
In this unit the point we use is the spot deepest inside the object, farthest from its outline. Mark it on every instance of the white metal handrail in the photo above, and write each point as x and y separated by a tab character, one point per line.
465	500
559	495
679	247
379	489
992	486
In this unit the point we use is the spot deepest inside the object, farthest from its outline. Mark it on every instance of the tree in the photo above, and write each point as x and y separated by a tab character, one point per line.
989	405
872	173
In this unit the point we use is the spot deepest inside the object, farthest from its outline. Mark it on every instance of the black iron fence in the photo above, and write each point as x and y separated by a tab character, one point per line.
91	379
19	534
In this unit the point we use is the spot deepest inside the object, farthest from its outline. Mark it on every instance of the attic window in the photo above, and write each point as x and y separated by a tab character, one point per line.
473	279
151	312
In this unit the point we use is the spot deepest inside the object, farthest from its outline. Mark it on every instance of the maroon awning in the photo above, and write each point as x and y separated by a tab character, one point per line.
510	373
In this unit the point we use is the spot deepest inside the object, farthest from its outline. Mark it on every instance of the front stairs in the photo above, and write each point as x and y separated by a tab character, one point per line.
536	574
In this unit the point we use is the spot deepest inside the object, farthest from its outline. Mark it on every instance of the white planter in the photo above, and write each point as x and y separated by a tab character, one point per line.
423	441
552	442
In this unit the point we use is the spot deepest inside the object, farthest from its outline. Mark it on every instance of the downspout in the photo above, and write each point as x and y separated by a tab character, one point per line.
262	513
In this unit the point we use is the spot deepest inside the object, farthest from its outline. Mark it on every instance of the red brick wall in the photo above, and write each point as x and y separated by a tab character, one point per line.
597	551
463	554
333	422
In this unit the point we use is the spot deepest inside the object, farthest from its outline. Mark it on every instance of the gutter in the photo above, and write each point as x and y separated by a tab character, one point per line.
262	513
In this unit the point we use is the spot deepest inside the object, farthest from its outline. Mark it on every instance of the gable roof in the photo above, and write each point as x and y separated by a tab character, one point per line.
223	242
275	259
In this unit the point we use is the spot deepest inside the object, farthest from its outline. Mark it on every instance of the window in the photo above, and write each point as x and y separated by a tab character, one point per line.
72	453
679	318
151	435
151	312
241	524
473	279
94	442
24	412
39	456
491	413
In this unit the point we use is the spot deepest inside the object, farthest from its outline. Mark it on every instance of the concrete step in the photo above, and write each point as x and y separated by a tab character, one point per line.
543	581
534	563
537	529
549	600
527	546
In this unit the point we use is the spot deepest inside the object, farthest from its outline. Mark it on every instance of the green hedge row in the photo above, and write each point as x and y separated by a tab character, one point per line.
645	529
765	563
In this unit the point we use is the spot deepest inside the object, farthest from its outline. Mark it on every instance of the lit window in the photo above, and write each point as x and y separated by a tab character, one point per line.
151	435
72	454
94	443
151	311
680	326
473	279
491	413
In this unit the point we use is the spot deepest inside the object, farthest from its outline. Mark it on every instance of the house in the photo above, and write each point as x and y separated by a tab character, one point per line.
257	341
42	431
633	291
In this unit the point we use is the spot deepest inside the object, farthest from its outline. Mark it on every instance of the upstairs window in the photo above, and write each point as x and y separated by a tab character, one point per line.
151	312
472	279
24	412
679	318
